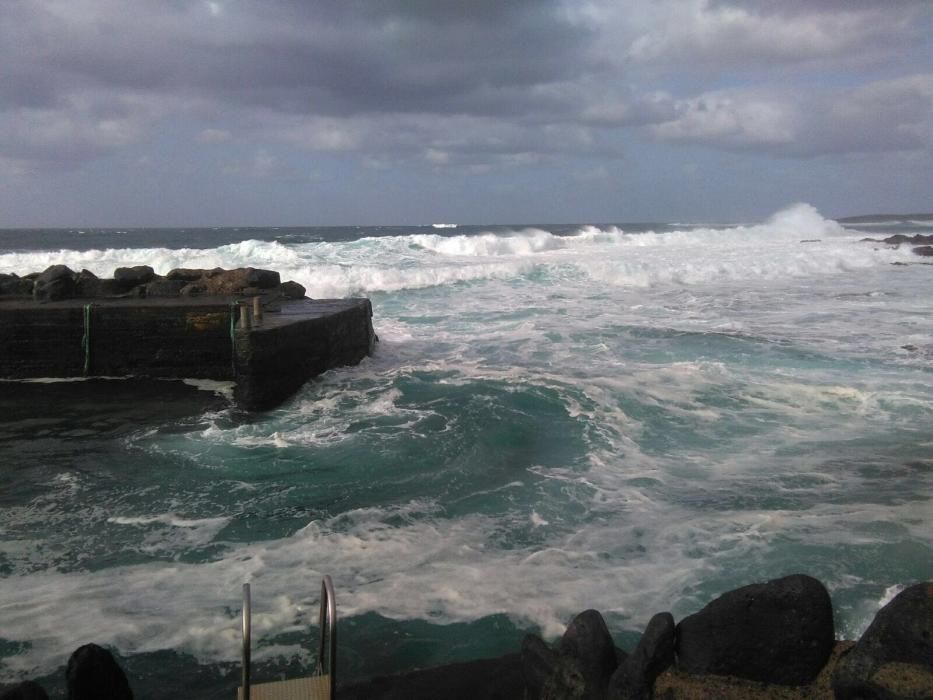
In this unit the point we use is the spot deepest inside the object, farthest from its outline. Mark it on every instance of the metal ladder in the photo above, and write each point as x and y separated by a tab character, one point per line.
320	686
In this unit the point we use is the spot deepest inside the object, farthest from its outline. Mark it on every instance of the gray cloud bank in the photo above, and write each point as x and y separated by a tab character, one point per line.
483	84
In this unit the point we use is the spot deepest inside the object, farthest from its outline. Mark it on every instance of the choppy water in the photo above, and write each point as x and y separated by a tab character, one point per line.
632	418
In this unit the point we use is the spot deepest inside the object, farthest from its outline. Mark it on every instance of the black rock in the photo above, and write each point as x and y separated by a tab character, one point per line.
293	290
894	657
635	677
189	274
161	287
129	277
538	663
13	286
924	250
776	632
263	279
27	690
587	655
93	674
916	239
54	284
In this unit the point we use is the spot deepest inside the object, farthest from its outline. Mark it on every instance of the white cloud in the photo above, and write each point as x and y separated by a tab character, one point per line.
891	115
730	34
732	119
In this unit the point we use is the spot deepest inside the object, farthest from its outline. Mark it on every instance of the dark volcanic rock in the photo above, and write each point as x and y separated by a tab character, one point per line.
161	287
15	286
27	690
924	250
92	672
56	283
538	662
916	239
193	289
775	632
264	279
587	657
635	677
894	657
129	277
90	286
293	290
191	274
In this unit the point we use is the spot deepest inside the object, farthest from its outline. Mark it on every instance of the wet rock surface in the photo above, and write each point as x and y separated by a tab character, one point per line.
893	659
775	632
60	283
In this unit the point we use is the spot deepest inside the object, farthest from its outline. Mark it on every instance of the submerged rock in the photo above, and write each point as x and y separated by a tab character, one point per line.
894	657
776	632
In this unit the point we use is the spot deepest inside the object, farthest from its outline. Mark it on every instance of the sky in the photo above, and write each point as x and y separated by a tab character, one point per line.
326	112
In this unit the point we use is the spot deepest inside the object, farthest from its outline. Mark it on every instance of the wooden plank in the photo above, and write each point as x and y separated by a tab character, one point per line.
313	688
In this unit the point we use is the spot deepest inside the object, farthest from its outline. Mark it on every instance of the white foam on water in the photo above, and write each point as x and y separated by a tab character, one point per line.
722	380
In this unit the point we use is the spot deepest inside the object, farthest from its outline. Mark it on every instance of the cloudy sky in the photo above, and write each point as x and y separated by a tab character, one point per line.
303	112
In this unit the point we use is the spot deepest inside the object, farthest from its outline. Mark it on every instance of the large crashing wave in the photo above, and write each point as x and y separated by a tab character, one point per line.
794	241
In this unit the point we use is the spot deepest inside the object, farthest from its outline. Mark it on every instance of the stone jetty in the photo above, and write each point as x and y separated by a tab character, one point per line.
243	325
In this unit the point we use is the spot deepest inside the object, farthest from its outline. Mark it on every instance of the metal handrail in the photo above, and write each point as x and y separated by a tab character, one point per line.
327	650
247	622
327	619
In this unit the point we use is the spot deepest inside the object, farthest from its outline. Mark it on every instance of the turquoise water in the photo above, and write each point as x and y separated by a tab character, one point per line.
632	418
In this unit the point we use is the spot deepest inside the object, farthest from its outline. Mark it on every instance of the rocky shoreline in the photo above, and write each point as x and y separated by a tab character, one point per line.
922	244
60	283
772	640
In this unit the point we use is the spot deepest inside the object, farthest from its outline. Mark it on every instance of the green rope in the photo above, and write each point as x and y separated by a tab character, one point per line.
86	340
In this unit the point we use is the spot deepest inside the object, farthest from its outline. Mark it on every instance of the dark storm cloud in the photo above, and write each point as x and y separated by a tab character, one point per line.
452	81
334	58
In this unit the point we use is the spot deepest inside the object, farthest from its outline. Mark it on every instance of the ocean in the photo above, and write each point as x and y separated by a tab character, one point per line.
627	417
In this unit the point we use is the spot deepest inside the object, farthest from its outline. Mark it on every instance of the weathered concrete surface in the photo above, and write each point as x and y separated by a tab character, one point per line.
185	338
117	338
301	341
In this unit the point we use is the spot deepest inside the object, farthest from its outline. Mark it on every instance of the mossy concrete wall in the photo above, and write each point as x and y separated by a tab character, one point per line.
170	338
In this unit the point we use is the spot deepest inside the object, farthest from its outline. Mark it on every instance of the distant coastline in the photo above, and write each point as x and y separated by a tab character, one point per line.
884	218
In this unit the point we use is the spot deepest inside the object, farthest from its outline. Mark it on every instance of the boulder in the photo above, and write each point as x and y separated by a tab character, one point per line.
90	286
54	284
916	239
263	279
578	669
193	289
27	690
538	662
92	672
776	632
634	679
14	286
587	659
924	250
129	277
191	274
161	287
293	290
893	659
234	282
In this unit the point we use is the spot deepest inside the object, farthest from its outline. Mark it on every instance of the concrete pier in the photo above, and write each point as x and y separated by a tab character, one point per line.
198	338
